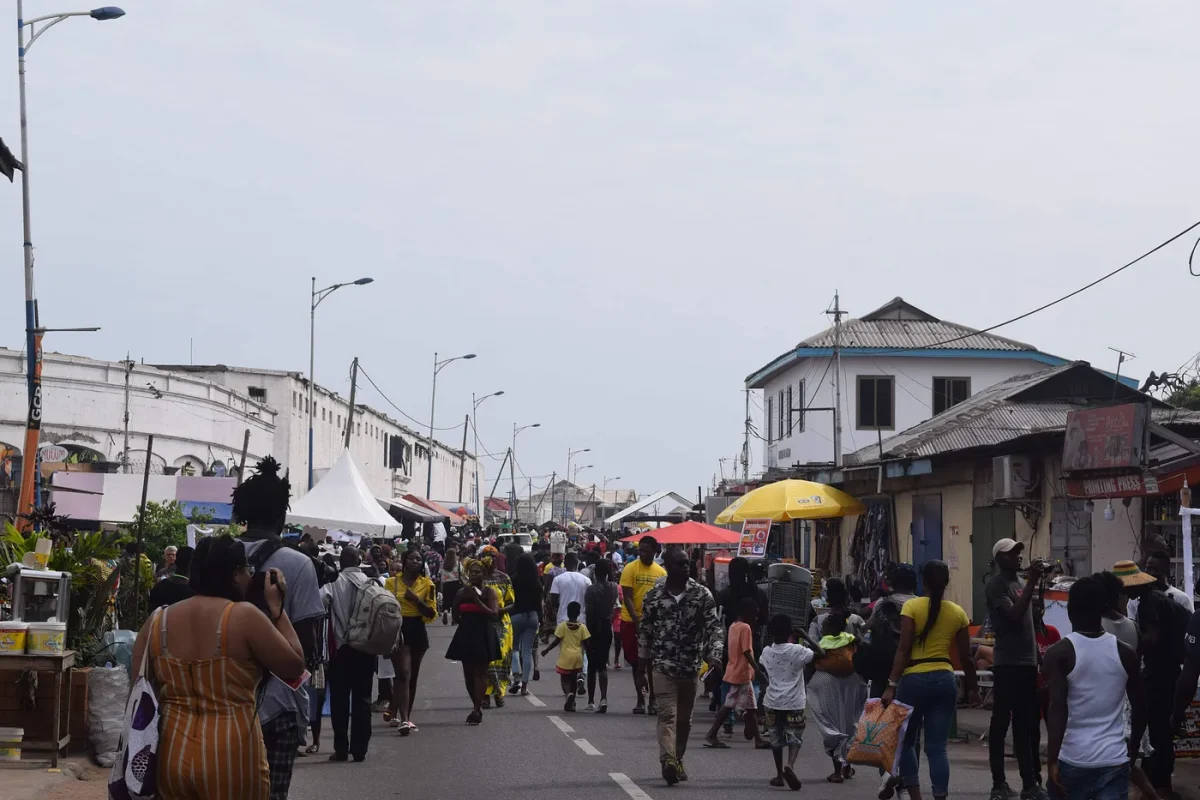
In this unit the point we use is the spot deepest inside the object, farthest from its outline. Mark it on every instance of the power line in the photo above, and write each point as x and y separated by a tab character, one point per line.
1080	290
423	425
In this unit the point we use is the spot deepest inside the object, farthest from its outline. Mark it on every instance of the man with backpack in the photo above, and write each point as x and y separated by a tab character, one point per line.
366	624
874	657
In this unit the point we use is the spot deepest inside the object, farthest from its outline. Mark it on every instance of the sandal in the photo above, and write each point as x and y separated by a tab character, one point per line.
499	701
715	744
312	749
793	782
475	718
777	782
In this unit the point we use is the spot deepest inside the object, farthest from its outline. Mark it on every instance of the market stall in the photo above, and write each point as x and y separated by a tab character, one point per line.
342	501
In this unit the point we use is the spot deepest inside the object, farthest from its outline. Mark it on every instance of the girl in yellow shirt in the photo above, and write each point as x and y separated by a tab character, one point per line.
418	607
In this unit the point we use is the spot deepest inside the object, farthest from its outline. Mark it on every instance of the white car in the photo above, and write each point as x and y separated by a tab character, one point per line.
525	540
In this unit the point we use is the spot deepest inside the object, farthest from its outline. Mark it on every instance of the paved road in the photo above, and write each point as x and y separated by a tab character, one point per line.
532	748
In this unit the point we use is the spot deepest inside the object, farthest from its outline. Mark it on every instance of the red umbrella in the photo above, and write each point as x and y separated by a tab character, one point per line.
689	533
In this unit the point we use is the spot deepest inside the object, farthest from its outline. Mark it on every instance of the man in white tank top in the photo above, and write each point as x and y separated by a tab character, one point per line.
1091	673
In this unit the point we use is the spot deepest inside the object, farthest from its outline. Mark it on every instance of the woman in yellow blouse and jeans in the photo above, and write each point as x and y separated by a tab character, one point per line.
418	607
923	677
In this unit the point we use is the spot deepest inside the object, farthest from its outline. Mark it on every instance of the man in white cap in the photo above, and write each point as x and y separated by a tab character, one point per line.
1014	670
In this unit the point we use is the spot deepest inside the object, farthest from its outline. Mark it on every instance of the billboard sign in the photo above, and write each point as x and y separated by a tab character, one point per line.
1105	438
755	533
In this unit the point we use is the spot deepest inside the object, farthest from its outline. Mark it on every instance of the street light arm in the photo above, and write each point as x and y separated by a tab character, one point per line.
321	294
54	20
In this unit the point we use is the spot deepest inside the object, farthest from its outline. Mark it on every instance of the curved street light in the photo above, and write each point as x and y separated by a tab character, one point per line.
318	297
438	366
475	429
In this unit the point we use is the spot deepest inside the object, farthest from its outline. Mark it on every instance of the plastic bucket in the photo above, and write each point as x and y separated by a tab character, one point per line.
46	638
11	750
12	638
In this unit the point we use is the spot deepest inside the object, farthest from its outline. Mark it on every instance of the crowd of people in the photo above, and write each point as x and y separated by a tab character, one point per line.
1112	692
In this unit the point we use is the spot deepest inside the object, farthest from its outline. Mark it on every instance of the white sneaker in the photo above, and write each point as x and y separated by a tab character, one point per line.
590	707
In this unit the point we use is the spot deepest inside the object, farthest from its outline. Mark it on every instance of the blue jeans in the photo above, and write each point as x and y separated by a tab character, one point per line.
525	627
1092	783
933	697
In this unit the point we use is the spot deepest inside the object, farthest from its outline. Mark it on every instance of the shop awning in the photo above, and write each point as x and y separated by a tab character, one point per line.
689	532
406	510
455	519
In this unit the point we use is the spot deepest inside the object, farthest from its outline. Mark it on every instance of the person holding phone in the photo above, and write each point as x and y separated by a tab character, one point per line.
208	654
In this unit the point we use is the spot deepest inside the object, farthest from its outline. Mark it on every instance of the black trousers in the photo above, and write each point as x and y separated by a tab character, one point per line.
1160	699
351	675
1015	696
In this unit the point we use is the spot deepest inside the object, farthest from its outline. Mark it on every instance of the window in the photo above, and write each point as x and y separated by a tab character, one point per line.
257	393
782	413
770	419
295	400
322	415
791	417
876	402
359	426
339	421
800	407
949	392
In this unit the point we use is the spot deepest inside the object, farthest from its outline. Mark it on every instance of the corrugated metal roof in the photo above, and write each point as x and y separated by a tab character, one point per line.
921	334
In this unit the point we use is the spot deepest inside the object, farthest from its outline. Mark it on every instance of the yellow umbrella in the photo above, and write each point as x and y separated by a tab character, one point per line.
791	499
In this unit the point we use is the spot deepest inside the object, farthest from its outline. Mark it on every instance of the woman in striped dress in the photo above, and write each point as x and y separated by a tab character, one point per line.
208	655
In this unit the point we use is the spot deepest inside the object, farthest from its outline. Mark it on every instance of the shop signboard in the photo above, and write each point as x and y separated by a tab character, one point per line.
755	533
1137	485
1105	438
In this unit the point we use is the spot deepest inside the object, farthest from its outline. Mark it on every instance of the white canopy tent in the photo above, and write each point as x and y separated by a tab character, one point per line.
662	503
342	501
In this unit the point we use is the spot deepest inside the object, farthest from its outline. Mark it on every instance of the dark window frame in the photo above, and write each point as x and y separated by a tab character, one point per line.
770	419
890	381
947	392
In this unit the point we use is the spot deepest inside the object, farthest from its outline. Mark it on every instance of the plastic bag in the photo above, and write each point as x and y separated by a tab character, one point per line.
880	736
108	689
116	647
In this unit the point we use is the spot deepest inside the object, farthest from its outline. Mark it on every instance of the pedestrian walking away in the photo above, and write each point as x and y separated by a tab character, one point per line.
637	579
351	671
526	621
785	700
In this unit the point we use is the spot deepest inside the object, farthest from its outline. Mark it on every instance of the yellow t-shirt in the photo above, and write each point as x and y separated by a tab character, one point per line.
423	588
570	650
951	619
639	579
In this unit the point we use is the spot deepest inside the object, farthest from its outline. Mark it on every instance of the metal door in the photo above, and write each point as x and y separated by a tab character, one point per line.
1071	537
926	529
988	526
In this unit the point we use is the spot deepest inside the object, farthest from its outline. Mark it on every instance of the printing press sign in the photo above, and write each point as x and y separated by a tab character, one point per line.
755	533
1105	438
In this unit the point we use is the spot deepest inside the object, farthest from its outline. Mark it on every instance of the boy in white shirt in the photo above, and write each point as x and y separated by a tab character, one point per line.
785	698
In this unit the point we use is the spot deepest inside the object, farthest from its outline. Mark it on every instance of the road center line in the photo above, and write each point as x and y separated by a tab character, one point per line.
629	786
587	747
559	723
535	702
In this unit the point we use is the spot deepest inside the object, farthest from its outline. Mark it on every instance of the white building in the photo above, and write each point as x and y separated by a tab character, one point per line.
899	366
393	458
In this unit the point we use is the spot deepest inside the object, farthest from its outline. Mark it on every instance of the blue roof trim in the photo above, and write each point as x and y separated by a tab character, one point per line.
904	352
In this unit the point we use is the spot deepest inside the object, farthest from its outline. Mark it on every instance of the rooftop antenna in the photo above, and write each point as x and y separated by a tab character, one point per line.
1122	357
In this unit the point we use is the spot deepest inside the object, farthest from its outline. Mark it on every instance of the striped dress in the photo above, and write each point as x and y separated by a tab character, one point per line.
211	746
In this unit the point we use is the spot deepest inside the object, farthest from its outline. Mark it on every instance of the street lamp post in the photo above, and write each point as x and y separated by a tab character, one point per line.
314	301
437	367
570	455
475	429
37	26
513	510
604	488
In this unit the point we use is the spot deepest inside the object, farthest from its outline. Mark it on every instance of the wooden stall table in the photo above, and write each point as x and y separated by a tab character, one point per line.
15	713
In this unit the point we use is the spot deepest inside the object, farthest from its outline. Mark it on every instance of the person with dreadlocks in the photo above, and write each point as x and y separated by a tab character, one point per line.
500	669
261	504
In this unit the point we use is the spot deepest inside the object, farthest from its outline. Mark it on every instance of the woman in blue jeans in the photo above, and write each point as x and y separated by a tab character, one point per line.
923	677
526	619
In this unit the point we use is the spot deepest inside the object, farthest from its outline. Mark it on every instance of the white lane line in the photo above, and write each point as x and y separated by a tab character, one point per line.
535	702
587	747
559	723
629	786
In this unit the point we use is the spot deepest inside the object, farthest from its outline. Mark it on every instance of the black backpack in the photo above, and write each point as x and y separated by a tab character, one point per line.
875	655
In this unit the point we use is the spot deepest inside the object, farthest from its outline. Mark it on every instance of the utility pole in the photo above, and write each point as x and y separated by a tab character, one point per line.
462	465
350	413
746	444
512	478
837	314
128	363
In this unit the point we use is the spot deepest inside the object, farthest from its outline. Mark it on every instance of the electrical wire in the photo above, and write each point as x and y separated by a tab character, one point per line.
423	425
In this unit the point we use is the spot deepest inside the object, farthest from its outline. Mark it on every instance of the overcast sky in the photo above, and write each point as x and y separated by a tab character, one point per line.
623	208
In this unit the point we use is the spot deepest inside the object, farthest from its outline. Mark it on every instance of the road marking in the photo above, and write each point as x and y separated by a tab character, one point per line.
561	725
535	702
587	747
629	786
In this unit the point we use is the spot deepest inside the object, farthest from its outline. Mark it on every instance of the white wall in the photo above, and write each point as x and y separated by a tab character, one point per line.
83	402
913	398
287	393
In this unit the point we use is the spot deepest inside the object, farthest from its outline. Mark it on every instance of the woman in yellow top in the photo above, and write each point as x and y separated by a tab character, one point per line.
923	677
418	607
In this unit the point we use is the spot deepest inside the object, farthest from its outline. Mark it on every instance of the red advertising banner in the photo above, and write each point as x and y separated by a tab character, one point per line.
1105	438
755	533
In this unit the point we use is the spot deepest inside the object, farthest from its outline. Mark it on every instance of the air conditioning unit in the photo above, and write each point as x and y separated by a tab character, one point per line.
1010	477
